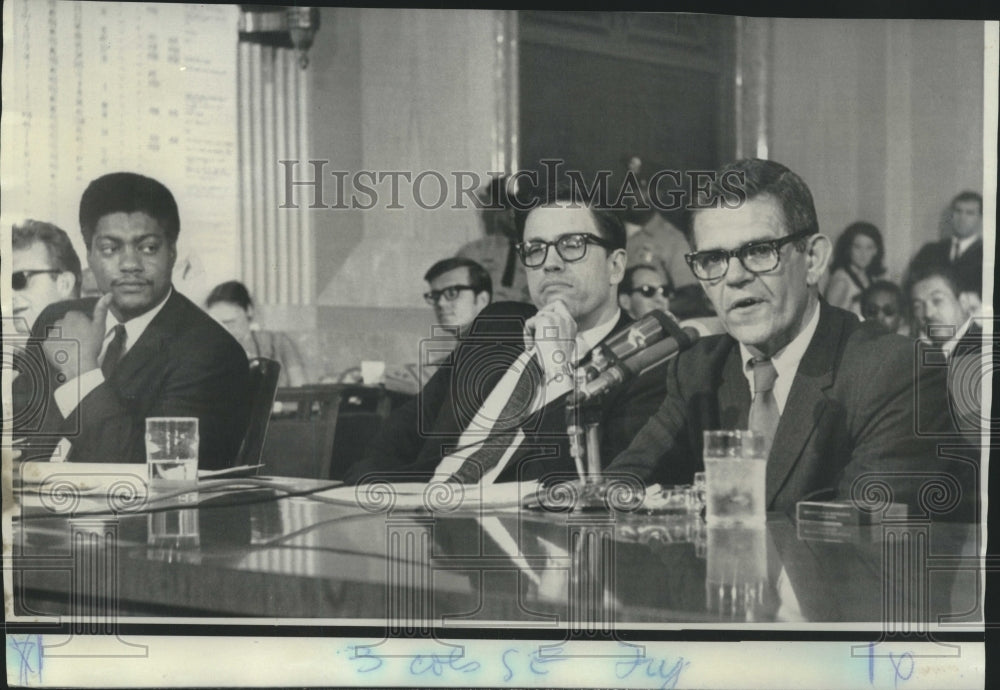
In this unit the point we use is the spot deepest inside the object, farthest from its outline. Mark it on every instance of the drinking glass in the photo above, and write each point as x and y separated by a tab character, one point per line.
735	474
172	451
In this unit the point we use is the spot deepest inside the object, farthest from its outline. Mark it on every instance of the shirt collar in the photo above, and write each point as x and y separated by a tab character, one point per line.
786	361
587	340
965	243
949	347
135	327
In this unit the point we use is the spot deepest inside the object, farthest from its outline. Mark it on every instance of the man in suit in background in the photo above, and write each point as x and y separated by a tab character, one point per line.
947	307
142	349
497	412
459	290
835	397
643	289
964	249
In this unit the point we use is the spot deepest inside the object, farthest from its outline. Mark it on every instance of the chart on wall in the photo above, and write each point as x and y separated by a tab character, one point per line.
96	87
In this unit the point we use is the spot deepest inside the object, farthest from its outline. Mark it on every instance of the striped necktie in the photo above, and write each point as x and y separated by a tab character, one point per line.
515	411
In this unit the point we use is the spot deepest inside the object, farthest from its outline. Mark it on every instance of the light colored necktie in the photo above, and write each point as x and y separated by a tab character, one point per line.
954	251
764	413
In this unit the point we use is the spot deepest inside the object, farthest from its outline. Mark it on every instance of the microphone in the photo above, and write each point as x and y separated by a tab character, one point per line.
651	328
666	348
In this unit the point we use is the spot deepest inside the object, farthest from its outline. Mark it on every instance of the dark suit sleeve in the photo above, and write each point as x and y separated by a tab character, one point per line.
897	418
657	450
208	381
396	447
628	413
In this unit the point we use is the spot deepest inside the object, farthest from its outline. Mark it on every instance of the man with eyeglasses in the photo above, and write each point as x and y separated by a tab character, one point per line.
459	290
44	269
142	350
835	397
497	411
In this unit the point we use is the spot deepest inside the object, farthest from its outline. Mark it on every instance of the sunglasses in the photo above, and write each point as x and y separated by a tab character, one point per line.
872	311
19	279
648	291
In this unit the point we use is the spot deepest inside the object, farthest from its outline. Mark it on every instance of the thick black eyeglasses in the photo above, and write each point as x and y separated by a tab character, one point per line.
648	291
19	279
760	256
450	294
570	248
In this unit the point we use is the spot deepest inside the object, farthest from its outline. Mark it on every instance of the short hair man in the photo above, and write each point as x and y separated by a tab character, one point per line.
44	268
882	302
459	290
944	304
835	397
141	350
498	413
964	249
643	289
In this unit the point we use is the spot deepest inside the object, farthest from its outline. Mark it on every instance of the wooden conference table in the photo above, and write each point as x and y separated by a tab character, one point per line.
295	548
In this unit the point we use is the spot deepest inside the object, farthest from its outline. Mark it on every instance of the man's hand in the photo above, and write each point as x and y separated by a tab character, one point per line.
85	337
552	333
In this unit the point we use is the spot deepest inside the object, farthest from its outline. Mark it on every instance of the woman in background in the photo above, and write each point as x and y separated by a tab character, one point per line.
857	261
230	304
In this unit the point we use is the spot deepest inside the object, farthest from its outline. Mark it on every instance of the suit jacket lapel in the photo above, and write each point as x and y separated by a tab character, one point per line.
807	399
734	393
149	344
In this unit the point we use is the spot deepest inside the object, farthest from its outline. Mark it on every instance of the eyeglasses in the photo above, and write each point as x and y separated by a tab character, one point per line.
756	257
19	279
570	248
648	291
450	294
872	311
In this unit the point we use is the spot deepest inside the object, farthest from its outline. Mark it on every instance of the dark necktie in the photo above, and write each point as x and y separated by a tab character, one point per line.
954	251
764	413
516	410
114	352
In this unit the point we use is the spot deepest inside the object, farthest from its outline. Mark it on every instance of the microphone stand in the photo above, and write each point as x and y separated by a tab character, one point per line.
583	419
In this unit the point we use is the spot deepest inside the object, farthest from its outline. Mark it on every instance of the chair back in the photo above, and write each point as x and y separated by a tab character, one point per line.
304	421
263	385
318	430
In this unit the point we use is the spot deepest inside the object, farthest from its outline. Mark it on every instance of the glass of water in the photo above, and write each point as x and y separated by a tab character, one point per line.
735	474
172	450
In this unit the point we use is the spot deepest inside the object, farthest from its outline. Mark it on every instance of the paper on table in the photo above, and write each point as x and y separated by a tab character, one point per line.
434	496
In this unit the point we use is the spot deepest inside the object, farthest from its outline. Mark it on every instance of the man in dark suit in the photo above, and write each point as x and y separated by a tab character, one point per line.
836	397
947	306
507	382
141	350
964	249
